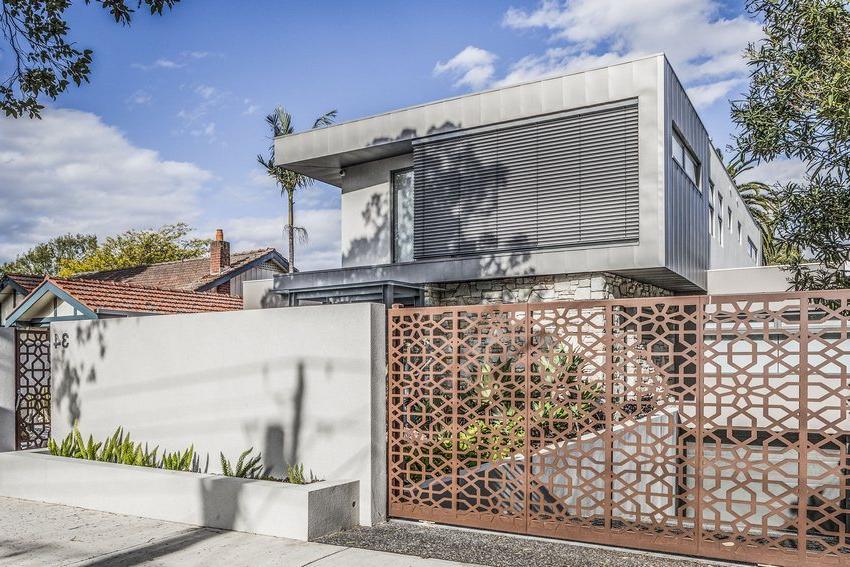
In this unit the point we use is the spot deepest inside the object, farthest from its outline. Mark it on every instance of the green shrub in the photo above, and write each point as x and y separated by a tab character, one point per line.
120	448
178	461
246	467
295	474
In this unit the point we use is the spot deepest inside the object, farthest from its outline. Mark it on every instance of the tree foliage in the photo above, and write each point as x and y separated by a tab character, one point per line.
280	124
137	248
47	257
798	107
44	61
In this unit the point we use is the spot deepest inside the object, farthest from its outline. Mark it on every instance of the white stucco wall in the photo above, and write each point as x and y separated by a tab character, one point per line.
256	294
7	389
730	252
302	385
761	279
366	229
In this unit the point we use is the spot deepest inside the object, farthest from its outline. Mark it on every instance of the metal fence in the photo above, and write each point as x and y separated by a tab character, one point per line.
32	381
712	426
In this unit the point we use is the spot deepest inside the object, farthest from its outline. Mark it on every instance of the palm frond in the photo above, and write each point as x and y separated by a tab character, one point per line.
325	119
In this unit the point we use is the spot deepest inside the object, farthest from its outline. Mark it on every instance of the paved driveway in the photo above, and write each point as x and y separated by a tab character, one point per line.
33	533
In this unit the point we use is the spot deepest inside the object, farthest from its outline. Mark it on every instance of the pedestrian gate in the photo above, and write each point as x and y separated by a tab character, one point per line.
32	381
712	426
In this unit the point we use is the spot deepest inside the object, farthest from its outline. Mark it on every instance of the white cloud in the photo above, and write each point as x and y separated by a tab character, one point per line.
71	172
195	54
159	64
776	171
704	46
473	67
250	107
139	98
321	251
706	95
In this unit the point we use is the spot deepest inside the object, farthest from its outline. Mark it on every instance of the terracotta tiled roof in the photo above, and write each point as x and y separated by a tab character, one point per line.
27	281
187	275
139	299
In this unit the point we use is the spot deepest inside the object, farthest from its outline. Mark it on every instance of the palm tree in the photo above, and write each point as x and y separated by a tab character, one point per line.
280	123
760	199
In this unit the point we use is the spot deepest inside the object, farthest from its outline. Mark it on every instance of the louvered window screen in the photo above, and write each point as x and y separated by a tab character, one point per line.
567	181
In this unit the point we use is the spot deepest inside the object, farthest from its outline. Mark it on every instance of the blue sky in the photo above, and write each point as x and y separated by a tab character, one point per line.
170	125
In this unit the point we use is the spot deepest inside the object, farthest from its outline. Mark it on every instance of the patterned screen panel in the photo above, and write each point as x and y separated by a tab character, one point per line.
714	426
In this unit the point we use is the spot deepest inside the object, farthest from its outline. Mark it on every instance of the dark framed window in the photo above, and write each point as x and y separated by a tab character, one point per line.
402	211
683	156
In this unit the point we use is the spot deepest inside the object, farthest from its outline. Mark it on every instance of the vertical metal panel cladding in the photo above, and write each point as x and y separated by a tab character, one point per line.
566	181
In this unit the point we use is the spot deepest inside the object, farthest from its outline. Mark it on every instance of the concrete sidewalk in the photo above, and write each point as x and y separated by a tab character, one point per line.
34	533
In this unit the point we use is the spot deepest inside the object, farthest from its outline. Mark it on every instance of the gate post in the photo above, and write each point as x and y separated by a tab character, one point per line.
7	389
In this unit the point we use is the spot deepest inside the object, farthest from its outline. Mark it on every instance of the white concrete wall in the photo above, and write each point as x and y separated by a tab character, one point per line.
302	385
256	294
761	279
303	512
7	389
365	214
730	252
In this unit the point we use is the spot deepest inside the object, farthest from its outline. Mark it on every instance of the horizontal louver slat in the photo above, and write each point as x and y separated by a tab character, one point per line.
566	181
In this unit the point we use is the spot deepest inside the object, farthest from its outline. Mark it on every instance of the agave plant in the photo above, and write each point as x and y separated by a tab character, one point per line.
85	450
120	448
295	474
67	448
179	461
246	466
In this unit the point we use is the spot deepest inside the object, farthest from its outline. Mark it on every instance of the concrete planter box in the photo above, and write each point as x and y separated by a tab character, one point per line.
302	512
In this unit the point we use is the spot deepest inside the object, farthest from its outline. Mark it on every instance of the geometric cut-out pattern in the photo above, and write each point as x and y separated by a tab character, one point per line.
712	425
32	401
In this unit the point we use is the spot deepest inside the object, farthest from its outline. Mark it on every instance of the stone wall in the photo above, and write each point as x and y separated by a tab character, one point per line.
564	287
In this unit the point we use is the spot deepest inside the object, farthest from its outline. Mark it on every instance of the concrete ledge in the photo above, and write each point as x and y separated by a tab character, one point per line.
302	512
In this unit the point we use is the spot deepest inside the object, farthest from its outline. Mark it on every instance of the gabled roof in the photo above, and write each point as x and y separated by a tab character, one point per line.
187	275
92	296
24	283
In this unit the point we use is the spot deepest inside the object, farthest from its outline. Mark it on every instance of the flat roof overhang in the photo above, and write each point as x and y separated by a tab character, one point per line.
327	168
322	152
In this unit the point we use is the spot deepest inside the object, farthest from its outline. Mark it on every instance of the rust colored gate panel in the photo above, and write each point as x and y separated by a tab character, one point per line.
714	426
32	394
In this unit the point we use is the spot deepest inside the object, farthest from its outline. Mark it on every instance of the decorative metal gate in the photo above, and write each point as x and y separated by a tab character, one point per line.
32	375
713	426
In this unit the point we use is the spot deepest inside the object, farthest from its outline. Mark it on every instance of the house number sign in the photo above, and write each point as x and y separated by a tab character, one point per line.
60	341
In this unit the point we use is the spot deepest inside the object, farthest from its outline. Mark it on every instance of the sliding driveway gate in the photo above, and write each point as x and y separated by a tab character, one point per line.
712	426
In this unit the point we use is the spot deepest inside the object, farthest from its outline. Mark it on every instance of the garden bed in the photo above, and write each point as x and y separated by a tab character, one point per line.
297	511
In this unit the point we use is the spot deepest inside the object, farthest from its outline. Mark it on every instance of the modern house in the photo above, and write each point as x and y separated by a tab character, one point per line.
212	283
596	184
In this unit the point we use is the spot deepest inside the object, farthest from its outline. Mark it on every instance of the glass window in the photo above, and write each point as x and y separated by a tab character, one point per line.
403	216
678	151
729	218
711	220
740	234
683	156
751	249
720	227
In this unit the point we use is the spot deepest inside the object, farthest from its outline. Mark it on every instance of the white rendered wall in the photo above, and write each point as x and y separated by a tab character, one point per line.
7	389
302	385
365	215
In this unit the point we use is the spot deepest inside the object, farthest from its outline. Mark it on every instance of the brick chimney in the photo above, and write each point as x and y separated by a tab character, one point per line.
219	253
